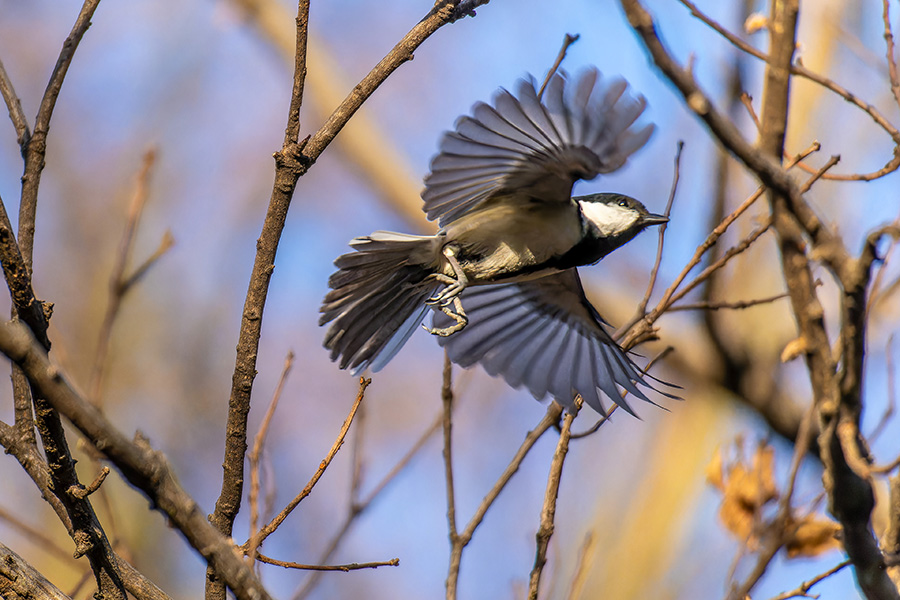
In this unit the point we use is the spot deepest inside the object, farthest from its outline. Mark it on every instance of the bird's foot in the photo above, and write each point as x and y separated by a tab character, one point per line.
456	313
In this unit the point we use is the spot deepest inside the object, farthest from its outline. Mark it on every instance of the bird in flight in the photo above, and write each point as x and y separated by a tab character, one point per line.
501	277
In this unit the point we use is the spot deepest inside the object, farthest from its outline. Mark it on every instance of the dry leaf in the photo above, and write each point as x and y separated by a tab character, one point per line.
745	490
813	537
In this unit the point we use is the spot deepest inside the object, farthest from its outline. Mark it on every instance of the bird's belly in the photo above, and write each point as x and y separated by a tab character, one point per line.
515	241
503	263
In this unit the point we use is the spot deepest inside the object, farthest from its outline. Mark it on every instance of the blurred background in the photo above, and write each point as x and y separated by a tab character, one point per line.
207	83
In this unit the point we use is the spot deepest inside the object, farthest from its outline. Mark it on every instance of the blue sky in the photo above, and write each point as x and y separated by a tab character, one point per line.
200	84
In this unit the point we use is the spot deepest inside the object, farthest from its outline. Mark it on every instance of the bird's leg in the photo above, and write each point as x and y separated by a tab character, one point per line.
450	295
455	285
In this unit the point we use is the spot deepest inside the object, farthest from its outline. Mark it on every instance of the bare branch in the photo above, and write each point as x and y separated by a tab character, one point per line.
18	579
256	453
568	40
654	272
142	466
292	161
740	305
117	281
358	508
551	418
35	146
82	492
802	591
394	562
14	106
272	525
802	71
889	50
447	423
548	510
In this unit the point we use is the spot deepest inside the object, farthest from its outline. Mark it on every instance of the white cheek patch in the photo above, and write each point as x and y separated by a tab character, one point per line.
609	220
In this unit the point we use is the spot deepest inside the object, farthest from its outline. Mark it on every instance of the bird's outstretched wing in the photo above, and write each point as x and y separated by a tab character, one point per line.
546	336
536	148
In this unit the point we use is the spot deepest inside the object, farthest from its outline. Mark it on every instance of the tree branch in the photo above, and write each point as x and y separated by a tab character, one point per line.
143	467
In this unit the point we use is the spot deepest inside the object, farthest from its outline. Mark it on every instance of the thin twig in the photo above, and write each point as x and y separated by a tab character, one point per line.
287	173
82	492
14	106
567	41
825	82
889	51
447	426
723	260
272	525
255	454
117	288
550	419
654	272
358	508
740	305
35	146
165	244
394	562
667	299
548	510
802	591
748	241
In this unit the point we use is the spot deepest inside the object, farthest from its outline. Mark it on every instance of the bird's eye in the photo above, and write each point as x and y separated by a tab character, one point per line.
623	203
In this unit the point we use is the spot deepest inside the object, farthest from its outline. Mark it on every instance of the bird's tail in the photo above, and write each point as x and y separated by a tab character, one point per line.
377	297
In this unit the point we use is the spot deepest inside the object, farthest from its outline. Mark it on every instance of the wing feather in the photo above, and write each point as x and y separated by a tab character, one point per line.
526	147
544	335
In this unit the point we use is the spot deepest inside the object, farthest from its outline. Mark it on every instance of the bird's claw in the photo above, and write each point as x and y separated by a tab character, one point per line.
456	313
448	294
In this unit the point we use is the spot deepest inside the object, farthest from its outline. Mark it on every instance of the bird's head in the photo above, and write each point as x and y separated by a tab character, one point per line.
616	215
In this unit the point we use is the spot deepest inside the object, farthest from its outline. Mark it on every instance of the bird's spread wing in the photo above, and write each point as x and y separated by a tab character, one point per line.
538	148
546	336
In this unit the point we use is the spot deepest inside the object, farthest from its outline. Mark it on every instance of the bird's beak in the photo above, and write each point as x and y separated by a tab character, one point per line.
653	219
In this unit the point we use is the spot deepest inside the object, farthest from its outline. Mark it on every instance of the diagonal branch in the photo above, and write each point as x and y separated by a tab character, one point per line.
143	467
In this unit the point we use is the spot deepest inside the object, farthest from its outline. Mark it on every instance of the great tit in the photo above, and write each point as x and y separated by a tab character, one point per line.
501	274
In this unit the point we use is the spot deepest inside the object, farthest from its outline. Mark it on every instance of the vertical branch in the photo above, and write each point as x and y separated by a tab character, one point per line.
292	161
255	456
654	272
452	534
889	51
286	174
117	280
548	510
551	418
